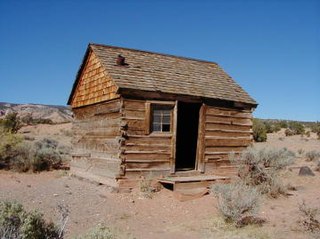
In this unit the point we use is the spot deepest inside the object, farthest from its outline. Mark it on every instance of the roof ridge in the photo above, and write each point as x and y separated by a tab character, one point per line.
152	52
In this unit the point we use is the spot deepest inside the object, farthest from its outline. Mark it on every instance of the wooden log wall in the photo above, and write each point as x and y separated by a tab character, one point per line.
95	84
97	139
226	131
142	152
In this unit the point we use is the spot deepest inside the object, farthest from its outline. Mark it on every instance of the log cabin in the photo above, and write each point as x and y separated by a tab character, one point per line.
144	113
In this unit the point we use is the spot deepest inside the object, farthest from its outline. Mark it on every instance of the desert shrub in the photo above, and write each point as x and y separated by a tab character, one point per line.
11	123
276	127
42	121
268	127
22	156
307	134
312	155
315	128
309	218
99	232
145	186
300	151
9	144
283	124
288	132
21	161
317	168
46	155
236	201
272	127
296	127
259	131
29	120
17	223
260	168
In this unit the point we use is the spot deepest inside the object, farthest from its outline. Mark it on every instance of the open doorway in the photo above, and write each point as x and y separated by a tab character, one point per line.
187	136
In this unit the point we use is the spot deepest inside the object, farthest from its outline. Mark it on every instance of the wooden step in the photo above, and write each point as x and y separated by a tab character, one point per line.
191	182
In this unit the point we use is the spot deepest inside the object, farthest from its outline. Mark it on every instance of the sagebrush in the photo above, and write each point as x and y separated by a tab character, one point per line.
260	168
20	155
236	201
16	223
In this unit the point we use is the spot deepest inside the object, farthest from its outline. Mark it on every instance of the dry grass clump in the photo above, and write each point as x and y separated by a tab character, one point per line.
312	155
309	218
146	188
237	202
218	228
99	232
260	169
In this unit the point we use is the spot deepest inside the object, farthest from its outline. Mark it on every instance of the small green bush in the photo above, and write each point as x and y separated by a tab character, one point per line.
9	144
272	127
236	201
259	131
283	124
11	123
315	128
16	223
296	127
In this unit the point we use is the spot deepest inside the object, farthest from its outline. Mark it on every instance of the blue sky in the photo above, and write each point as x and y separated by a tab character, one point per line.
271	48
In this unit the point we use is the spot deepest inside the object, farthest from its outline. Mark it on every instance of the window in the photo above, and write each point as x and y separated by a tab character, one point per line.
161	118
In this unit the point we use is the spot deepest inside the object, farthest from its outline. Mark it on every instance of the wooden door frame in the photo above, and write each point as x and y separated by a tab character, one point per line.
174	138
200	161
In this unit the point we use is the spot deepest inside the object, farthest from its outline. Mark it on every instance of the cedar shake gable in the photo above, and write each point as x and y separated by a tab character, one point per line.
100	78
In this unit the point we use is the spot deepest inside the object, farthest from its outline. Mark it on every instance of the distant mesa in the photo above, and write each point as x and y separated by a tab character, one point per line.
56	113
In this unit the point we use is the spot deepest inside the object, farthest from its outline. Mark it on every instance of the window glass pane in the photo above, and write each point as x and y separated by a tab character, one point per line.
157	112
166	112
156	127
161	118
157	118
166	128
166	119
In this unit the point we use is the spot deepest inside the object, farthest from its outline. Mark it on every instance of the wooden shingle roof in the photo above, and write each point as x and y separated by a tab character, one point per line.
156	72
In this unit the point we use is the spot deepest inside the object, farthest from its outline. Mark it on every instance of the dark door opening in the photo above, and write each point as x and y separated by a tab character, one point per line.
187	136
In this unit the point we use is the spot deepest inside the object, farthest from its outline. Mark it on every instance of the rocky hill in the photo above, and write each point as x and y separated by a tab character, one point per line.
56	113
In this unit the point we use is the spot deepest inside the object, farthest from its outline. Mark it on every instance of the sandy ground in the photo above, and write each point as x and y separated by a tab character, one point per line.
132	216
